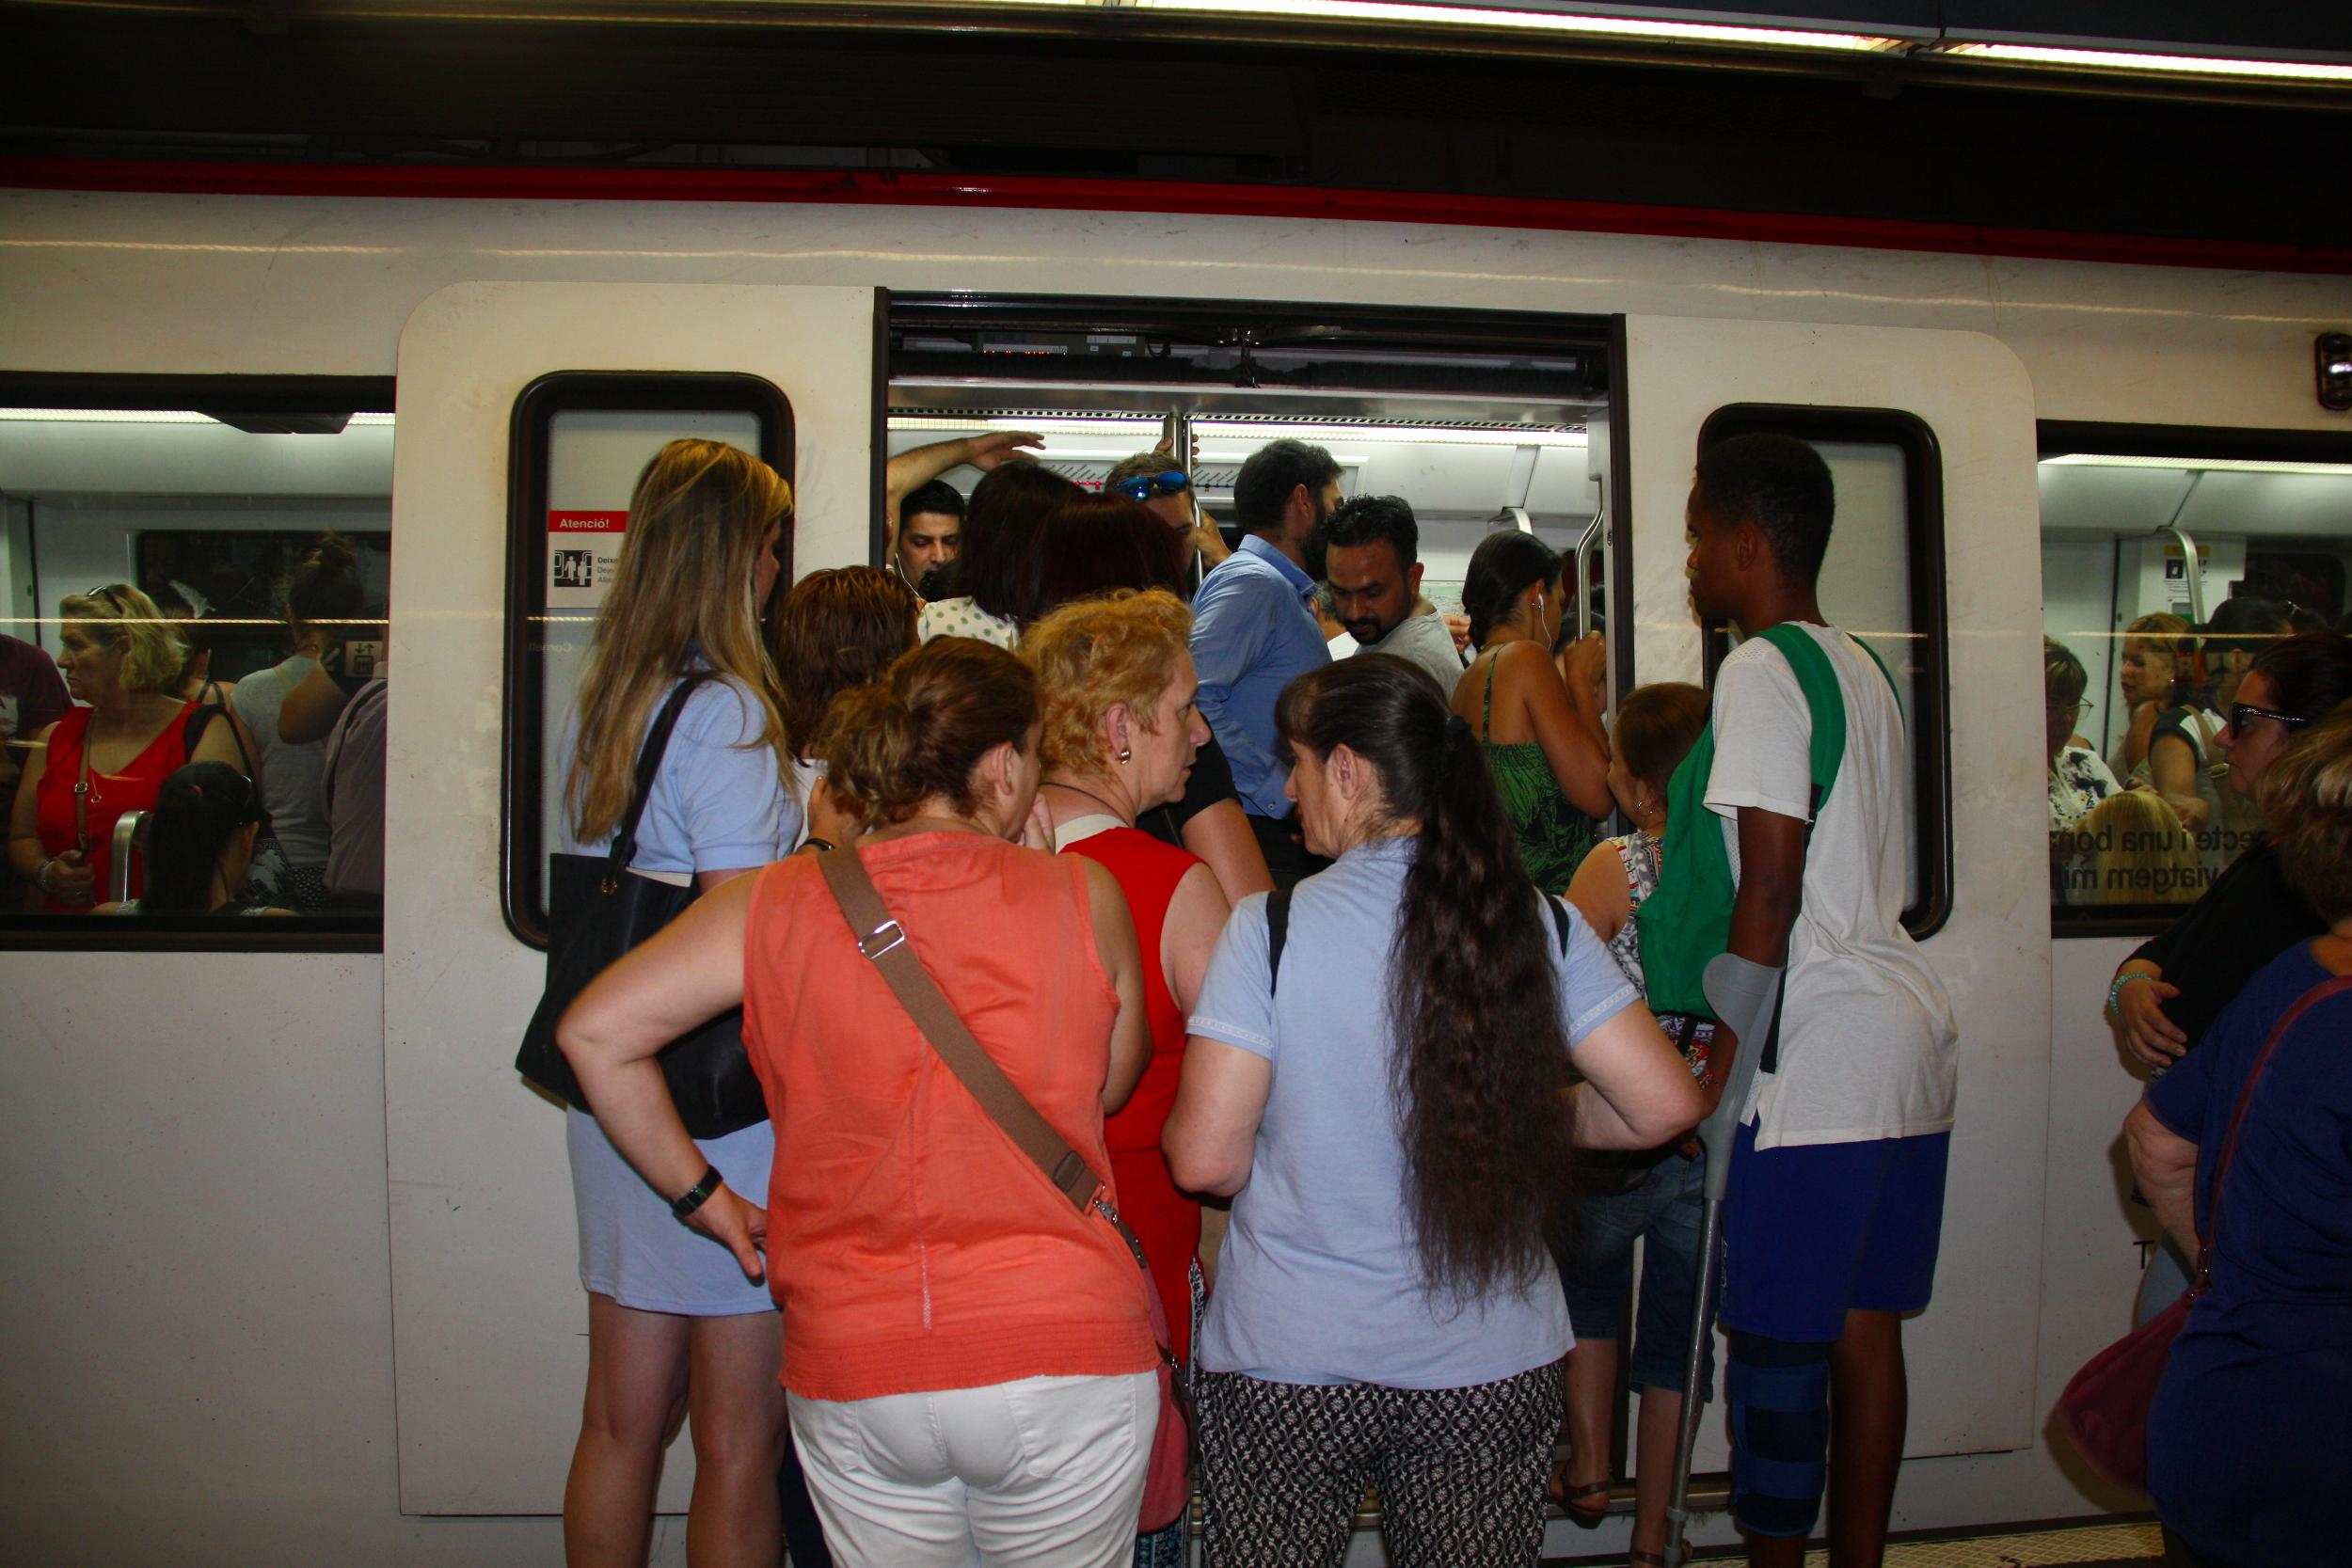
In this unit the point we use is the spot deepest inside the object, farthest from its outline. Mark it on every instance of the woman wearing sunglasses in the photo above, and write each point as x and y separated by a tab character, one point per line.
121	658
2168	993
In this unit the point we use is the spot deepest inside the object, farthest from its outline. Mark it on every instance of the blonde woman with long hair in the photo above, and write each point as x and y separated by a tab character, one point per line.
671	1321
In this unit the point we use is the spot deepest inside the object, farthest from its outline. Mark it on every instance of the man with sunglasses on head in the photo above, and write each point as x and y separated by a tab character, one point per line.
1159	481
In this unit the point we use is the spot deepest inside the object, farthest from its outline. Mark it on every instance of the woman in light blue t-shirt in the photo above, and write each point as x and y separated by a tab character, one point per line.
1387	1310
697	563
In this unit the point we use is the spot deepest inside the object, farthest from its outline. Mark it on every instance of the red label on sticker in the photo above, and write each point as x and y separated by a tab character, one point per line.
587	522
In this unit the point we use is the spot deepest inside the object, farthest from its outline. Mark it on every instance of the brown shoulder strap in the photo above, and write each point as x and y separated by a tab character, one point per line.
883	941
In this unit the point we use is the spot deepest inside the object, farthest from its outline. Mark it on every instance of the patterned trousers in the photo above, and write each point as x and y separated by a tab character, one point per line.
1459	1471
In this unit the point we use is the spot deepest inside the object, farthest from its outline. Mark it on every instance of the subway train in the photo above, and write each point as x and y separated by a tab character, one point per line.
291	1263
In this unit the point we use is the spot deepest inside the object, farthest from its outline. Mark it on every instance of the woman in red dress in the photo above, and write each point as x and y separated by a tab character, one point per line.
122	659
1118	734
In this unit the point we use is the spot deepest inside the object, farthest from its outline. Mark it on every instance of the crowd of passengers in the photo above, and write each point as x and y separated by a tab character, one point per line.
1297	934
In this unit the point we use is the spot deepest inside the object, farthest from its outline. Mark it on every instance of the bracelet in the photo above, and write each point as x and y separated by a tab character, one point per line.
812	842
2115	992
699	1194
41	877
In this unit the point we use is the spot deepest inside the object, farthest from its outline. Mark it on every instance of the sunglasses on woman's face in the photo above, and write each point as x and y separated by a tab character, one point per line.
2241	714
1144	487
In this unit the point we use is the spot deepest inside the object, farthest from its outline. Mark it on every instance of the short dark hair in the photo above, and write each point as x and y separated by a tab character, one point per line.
1144	465
938	496
1008	505
1782	485
1265	482
2309	676
1368	519
2063	678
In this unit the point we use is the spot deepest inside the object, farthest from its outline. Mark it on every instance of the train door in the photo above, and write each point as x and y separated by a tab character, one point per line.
510	496
1930	437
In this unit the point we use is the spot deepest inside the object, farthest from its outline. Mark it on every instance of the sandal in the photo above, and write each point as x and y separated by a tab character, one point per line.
1587	1517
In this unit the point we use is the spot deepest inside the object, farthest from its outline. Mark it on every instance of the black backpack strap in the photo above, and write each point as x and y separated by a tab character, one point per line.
1278	931
649	766
1559	920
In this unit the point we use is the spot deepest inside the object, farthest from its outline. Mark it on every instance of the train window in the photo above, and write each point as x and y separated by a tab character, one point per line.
578	440
2169	558
192	570
1883	582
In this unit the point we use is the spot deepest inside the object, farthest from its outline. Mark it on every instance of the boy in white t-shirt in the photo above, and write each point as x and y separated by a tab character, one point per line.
1835	1202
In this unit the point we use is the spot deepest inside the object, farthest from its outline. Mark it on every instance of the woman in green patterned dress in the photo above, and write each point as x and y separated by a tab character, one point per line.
1541	722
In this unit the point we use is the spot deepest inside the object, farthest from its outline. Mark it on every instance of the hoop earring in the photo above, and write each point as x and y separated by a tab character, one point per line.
1126	756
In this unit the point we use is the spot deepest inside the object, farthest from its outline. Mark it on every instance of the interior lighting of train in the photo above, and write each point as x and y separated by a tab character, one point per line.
2210	465
2115	59
1208	428
1537	21
144	416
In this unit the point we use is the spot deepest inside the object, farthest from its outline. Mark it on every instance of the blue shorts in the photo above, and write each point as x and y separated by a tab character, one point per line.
1815	1230
1664	1213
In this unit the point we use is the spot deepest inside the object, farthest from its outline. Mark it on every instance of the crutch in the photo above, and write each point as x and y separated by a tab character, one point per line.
1747	996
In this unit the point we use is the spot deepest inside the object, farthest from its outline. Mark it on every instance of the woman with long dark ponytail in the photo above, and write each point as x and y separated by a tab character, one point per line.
1388	1308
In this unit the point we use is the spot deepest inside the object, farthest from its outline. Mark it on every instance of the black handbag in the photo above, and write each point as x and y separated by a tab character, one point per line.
598	909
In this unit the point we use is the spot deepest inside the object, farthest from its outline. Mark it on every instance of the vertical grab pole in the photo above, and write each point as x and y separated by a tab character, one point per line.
1590	537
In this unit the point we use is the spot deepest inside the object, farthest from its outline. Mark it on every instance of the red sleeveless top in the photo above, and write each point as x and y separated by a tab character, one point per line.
1167	1222
110	794
911	1245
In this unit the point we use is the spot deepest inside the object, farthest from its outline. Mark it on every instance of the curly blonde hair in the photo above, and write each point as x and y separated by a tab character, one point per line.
120	617
1094	654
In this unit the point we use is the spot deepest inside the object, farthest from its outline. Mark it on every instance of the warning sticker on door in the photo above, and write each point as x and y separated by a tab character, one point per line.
583	553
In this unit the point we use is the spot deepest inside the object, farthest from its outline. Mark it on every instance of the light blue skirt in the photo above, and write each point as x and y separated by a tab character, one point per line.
632	1249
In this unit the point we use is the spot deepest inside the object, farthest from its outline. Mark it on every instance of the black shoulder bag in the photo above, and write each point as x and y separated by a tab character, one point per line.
598	909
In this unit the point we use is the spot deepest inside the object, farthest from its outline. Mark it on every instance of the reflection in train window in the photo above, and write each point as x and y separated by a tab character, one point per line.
192	585
2168	564
1882	582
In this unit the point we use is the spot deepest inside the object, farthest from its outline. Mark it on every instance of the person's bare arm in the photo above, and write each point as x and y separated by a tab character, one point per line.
1122	960
1196	918
1211	1137
1579	762
1772	878
2165	1165
690	972
1638	1092
219	743
25	854
2172	767
911	470
2136	737
1600	892
1221	836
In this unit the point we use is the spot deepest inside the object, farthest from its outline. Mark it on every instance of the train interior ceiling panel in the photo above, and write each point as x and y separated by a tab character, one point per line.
305	1272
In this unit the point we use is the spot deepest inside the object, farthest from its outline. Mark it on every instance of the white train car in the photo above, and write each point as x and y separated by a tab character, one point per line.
291	1267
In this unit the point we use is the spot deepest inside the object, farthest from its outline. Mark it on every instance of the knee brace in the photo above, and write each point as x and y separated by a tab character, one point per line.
1778	1390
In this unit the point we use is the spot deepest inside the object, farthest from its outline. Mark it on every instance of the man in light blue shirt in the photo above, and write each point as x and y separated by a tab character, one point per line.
1253	632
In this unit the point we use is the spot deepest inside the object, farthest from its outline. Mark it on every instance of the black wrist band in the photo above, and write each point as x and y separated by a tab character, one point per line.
699	1194
812	842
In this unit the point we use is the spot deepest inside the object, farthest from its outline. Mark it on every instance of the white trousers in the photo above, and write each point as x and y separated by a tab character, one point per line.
1045	1472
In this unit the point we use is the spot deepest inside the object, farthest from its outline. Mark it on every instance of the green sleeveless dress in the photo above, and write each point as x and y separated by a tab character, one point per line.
1553	836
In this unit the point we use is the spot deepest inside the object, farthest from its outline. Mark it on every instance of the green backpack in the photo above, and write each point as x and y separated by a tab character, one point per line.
1686	921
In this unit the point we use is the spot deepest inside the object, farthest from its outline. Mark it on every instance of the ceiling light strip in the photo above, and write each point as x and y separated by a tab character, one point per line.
1534	22
2178	65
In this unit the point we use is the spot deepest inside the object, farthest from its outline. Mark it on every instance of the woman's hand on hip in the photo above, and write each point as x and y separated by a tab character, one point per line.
737	1223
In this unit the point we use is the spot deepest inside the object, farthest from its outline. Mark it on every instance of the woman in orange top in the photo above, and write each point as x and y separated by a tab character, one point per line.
968	1355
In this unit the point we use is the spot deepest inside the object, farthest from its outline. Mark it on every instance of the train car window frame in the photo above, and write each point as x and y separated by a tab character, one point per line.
1929	717
257	405
2188	443
523	841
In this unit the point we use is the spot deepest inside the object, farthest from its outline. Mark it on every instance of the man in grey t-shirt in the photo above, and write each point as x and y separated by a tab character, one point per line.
1372	568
